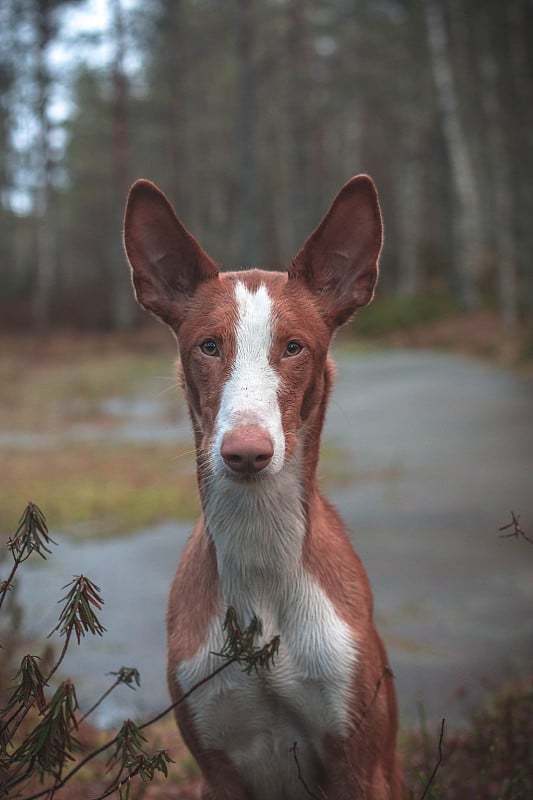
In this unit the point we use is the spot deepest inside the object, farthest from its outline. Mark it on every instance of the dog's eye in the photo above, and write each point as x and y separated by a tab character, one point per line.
292	349
209	348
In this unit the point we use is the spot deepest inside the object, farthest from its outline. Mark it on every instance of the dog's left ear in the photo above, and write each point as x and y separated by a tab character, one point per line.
339	261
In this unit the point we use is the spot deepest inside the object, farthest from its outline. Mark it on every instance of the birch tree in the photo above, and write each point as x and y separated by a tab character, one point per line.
123	308
466	215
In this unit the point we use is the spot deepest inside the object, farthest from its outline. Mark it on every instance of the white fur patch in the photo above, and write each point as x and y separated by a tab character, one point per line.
258	531
250	395
258	528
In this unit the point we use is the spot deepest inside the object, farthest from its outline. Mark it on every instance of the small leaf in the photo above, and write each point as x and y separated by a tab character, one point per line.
29	688
77	615
129	676
31	535
51	743
239	645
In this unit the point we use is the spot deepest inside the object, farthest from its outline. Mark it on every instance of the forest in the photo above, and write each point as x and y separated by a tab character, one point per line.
250	115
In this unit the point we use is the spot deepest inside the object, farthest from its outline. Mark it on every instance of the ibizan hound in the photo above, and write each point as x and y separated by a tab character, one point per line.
257	378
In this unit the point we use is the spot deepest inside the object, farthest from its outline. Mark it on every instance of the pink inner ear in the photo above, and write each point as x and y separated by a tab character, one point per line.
166	260
150	222
339	261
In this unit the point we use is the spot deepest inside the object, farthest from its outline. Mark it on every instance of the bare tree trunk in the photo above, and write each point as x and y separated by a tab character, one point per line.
502	195
175	57
123	308
409	183
467	217
409	194
297	61
519	40
45	261
246	133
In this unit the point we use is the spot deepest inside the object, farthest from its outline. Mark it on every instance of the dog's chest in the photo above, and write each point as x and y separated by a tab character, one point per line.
257	719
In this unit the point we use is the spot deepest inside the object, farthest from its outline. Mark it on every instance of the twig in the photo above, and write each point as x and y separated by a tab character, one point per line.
30	537
517	531
300	776
386	673
439	762
125	675
111	742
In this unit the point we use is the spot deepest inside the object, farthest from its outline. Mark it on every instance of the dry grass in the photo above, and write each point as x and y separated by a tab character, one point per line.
50	384
492	760
60	446
99	489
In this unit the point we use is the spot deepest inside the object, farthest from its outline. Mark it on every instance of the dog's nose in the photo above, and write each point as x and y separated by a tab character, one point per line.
247	450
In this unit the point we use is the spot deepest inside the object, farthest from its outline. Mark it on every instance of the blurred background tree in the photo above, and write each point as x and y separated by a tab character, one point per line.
250	115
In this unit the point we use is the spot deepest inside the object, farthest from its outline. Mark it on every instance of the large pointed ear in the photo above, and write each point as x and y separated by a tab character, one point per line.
339	261
167	263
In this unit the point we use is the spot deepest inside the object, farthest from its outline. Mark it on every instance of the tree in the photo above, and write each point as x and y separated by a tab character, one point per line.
250	115
246	123
501	193
466	215
123	307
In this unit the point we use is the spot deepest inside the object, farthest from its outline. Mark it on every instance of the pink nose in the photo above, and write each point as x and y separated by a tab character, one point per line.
247	450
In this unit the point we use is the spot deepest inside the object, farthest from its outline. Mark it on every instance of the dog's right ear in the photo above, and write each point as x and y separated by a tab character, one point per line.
167	263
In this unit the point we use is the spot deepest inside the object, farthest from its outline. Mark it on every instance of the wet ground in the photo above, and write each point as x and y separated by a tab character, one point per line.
428	454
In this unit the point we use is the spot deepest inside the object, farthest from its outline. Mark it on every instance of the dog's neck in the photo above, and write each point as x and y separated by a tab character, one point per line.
257	530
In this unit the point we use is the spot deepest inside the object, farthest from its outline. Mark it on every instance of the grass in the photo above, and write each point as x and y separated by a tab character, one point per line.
57	393
492	760
100	489
48	385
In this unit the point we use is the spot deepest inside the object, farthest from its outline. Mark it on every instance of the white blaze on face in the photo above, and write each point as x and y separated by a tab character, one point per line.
250	397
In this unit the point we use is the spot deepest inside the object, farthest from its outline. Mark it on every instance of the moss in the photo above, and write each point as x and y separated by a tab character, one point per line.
99	489
391	314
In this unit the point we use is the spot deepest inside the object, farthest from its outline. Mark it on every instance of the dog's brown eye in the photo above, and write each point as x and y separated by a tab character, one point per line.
209	348
292	349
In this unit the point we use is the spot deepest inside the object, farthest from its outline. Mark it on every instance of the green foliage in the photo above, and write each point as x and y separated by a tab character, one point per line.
37	734
240	644
31	535
29	687
51	743
129	753
388	315
77	614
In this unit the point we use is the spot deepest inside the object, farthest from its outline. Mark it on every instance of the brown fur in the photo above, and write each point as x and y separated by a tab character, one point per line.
333	274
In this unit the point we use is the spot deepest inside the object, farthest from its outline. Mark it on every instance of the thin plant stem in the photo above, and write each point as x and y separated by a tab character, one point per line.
111	742
437	765
99	701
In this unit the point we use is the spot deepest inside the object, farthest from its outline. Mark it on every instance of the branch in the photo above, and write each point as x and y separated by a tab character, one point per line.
293	750
437	765
127	675
113	741
30	537
516	531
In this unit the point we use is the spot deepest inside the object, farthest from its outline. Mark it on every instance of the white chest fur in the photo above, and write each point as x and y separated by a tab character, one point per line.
256	719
